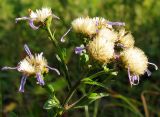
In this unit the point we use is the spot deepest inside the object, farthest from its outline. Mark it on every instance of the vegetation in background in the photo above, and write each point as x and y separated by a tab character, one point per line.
142	18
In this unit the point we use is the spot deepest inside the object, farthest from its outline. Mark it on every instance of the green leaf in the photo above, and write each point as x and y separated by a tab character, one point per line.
84	58
50	88
58	84
58	58
132	106
64	53
91	82
12	114
52	102
88	99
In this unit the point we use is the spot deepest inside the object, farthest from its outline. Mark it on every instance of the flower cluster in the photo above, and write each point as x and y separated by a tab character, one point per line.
107	43
32	65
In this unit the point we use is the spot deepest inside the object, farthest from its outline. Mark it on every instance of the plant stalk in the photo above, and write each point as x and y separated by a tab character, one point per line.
64	67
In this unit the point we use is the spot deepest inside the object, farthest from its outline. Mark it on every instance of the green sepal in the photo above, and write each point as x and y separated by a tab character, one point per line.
49	21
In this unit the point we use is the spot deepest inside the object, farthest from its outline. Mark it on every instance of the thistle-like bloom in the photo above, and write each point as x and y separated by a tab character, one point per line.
136	63
38	17
101	49
35	65
84	25
107	34
125	39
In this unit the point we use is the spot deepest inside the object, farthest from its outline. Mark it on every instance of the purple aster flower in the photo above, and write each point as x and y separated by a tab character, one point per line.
79	50
35	65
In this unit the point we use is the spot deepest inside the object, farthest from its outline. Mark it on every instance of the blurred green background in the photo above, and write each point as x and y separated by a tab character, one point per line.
142	17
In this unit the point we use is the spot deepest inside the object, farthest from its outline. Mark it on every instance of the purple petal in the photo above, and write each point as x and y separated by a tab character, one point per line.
54	69
26	48
23	82
116	23
79	50
97	23
117	56
8	68
120	45
133	79
155	66
32	25
148	72
40	79
21	18
62	38
129	76
54	16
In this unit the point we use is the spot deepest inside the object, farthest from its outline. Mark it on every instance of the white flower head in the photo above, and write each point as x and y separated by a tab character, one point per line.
25	67
84	25
101	49
136	62
32	65
125	39
101	22
135	59
108	34
39	16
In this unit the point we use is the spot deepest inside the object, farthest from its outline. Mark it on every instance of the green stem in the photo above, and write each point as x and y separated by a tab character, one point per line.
97	74
64	67
96	104
73	89
71	92
86	111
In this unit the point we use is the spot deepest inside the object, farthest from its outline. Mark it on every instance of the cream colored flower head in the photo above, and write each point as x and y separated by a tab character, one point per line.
135	60
101	49
126	39
32	65
25	67
84	25
101	22
107	34
39	17
38	62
